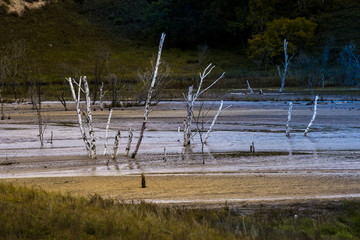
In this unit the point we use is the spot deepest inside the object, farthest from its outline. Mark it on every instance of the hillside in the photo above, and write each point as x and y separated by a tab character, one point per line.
65	37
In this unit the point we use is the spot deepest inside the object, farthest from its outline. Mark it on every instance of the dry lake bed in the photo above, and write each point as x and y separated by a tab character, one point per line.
324	165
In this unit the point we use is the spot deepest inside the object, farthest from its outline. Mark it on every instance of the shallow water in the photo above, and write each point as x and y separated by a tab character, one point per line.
332	145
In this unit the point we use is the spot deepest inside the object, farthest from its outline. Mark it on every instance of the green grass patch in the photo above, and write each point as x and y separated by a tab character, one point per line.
31	213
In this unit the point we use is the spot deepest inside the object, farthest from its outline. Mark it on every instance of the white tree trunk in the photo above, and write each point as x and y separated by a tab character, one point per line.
102	96
116	145
313	117
249	88
127	150
78	111
286	65
213	122
185	132
106	132
189	113
148	99
287	133
89	116
179	134
192	98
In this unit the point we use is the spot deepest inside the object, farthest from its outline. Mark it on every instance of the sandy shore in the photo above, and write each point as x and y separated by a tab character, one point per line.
206	190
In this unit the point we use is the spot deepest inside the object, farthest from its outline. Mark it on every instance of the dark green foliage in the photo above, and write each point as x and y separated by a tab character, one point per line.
69	32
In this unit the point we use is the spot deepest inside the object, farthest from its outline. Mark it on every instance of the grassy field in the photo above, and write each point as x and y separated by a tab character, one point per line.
65	38
31	213
61	35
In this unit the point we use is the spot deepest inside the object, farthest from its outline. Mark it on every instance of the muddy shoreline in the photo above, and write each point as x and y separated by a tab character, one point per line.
323	167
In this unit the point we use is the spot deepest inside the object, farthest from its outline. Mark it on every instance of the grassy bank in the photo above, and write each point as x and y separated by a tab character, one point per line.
28	213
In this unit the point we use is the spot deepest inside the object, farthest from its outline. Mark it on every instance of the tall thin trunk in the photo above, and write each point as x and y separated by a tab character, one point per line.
213	122
287	133
192	98
179	134
2	106
286	65
102	96
189	112
116	145
106	131
127	150
249	88
313	117
89	116
148	99
78	111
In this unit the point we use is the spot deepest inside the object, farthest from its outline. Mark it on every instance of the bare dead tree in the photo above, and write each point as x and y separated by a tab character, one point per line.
3	70
113	81
16	55
313	117
309	70
106	131
144	81
101	59
102	93
286	66
63	90
77	99
128	145
325	59
200	126
42	125
249	88
148	99
191	98
350	63
116	145
2	106
35	91
33	79
287	132
214	120
89	116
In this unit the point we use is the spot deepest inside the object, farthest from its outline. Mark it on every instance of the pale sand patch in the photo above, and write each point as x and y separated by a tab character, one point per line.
198	190
19	6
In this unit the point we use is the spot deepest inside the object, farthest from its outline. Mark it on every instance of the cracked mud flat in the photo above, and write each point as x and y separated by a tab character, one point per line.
323	166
